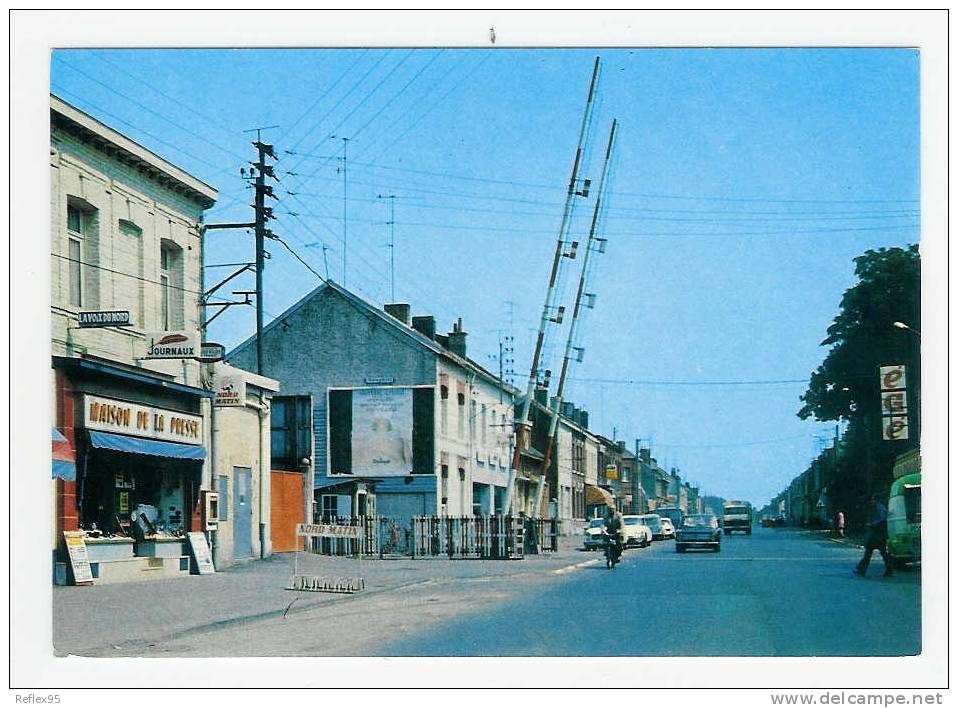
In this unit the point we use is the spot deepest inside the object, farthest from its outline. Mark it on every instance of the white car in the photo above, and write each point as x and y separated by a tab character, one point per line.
634	532
594	535
668	530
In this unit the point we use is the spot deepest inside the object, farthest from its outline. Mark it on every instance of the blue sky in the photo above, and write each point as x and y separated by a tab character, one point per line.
744	184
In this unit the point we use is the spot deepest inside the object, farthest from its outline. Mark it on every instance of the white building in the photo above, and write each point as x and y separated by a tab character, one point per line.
127	256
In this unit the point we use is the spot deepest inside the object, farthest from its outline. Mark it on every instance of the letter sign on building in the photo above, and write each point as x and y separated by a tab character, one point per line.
894	402
113	416
108	318
172	345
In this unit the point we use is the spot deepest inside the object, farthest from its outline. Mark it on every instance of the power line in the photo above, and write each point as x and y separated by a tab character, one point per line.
338	103
665	382
398	94
363	101
134	277
191	155
150	110
735	444
442	98
321	97
226	128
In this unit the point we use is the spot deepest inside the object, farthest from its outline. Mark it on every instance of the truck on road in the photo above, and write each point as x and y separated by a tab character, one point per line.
737	516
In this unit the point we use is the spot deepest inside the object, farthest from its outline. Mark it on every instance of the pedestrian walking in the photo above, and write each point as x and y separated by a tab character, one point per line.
876	534
840	524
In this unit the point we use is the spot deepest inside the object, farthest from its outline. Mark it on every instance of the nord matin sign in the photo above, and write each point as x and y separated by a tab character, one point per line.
113	416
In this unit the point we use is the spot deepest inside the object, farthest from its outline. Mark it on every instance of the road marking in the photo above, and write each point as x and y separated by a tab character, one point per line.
570	568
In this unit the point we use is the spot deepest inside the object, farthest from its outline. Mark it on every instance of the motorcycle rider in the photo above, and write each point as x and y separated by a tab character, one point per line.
613	527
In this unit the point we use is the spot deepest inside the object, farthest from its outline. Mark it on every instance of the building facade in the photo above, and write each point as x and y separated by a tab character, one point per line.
126	271
393	402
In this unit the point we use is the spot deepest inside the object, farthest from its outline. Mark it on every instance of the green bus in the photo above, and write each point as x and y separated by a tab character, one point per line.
904	519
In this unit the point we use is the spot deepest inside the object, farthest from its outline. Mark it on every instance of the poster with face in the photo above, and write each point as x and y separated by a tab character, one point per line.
382	432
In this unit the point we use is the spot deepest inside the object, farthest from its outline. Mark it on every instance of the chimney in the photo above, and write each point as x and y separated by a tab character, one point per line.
542	396
568	410
399	310
584	419
425	325
554	402
621	445
646	455
457	339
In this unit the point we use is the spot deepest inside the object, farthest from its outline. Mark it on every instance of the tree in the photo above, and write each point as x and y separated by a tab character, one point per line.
863	338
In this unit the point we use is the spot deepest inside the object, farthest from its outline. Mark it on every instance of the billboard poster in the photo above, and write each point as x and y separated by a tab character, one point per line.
382	432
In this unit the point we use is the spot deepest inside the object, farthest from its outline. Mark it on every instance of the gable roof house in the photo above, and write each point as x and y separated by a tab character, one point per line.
383	398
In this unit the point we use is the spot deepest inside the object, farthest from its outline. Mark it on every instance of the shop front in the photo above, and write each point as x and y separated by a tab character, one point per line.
139	453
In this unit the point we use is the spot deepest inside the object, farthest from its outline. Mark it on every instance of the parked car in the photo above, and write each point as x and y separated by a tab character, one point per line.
668	530
634	532
654	522
594	535
698	531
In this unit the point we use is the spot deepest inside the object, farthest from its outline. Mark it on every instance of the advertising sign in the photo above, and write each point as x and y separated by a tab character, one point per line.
172	345
112	416
894	402
79	561
229	389
104	318
382	432
211	352
201	552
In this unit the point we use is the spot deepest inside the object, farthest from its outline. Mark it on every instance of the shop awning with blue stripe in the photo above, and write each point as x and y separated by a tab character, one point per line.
141	446
64	459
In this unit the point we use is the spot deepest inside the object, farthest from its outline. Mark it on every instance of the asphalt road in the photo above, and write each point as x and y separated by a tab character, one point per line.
774	593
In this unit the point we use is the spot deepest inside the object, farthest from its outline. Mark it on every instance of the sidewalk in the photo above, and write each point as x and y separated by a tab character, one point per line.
94	619
827	534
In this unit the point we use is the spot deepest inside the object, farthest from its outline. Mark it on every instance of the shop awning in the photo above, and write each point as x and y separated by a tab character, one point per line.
64	458
598	495
140	446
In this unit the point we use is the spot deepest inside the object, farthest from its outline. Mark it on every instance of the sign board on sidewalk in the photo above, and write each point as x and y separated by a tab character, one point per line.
104	318
173	345
201	552
79	560
229	388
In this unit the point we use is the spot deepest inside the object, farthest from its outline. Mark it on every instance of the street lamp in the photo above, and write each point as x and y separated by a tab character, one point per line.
902	325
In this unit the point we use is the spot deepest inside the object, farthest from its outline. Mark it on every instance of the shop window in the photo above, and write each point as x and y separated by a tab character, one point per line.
291	430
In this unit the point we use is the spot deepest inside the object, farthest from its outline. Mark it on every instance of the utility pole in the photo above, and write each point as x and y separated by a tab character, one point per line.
523	424
263	214
591	245
391	223
345	143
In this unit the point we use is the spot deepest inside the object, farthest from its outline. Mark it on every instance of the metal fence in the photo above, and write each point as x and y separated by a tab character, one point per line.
480	537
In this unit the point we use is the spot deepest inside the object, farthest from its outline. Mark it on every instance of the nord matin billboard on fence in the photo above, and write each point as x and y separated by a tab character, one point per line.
381	431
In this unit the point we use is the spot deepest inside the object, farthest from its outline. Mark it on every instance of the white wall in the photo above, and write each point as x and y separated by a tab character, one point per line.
119	192
485	451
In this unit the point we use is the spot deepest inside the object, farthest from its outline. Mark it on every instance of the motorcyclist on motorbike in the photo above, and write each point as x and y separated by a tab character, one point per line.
613	529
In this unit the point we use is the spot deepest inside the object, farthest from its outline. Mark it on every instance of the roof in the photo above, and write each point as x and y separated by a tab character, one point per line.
89	127
371	310
142	376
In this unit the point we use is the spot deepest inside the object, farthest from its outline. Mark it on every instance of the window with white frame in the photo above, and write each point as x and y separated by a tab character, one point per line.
79	225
